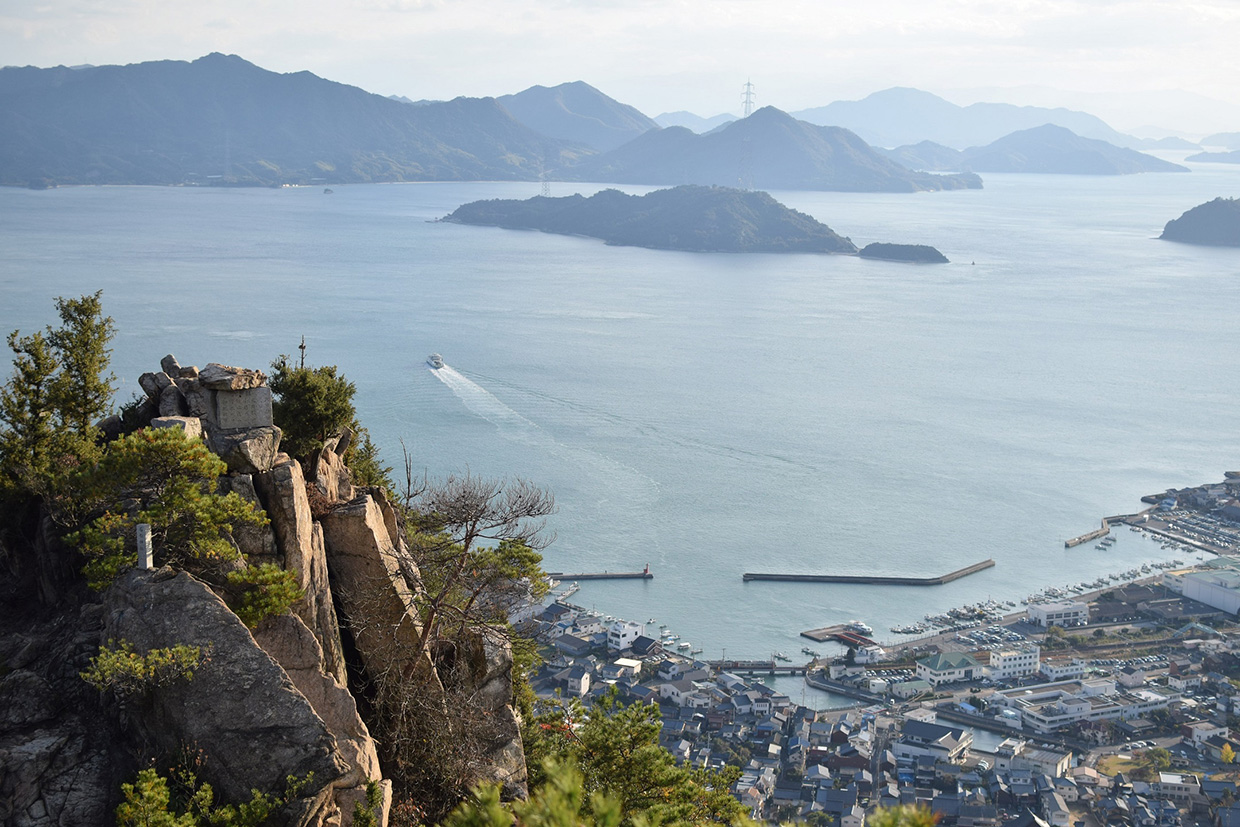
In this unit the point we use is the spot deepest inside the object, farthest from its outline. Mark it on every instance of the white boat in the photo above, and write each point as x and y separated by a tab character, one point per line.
435	361
858	626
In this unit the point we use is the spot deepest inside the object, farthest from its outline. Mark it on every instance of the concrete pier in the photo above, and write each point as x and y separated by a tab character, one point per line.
603	575
873	580
1092	535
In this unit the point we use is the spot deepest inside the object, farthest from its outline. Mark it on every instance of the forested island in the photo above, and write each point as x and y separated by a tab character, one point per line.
1215	223
690	218
917	253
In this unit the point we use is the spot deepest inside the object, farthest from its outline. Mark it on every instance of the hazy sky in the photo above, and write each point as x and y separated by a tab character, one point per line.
662	55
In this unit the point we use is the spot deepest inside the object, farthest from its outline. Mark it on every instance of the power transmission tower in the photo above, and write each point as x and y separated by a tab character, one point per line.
747	98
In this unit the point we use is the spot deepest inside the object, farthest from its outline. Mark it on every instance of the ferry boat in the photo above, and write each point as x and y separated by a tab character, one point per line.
861	628
435	361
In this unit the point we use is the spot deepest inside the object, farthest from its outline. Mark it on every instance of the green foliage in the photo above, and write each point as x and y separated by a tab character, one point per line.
26	412
366	813
150	803
266	590
57	391
365	465
164	478
121	670
82	392
616	750
559	802
905	815
311	405
1151	762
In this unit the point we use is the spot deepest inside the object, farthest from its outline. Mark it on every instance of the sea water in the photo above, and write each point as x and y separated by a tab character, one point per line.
712	414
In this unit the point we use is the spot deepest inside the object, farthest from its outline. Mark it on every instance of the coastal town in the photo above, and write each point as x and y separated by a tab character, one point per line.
1104	703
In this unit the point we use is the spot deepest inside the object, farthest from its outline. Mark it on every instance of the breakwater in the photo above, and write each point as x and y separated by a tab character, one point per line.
871	579
603	575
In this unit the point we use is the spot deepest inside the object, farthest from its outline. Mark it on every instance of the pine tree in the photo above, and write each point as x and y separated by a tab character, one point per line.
26	409
82	392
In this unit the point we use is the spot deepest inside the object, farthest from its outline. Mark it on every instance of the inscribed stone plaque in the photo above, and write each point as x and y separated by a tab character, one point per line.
243	409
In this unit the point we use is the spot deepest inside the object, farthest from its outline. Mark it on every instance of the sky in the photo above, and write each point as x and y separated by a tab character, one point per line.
1168	63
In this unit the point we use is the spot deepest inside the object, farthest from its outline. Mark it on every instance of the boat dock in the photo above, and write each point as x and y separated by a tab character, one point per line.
874	580
838	632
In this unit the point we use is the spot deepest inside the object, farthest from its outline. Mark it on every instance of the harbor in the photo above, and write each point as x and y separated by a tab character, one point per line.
644	574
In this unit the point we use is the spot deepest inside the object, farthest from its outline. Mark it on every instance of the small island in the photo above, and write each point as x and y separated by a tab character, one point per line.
1215	223
688	218
917	253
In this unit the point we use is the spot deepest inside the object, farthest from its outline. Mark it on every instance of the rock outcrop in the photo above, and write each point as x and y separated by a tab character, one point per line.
269	703
300	539
377	599
240	709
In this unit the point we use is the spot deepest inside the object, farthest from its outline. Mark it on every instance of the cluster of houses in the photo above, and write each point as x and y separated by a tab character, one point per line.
833	767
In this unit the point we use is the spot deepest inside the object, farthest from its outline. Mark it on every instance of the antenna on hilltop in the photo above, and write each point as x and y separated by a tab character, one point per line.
747	98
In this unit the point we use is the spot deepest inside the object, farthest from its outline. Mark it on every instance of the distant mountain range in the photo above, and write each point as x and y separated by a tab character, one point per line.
768	150
1043	149
1227	140
223	120
579	113
692	122
899	116
1215	223
1232	157
691	218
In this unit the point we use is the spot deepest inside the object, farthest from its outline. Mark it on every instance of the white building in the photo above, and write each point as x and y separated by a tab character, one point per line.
1219	588
1061	613
1015	662
1063	669
1052	706
622	634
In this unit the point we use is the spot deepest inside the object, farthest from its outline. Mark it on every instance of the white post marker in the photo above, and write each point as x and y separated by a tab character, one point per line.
145	556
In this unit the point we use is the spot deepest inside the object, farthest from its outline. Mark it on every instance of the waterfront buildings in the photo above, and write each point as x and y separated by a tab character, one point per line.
1061	613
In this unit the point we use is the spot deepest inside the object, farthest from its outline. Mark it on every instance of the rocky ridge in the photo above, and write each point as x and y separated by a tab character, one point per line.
268	703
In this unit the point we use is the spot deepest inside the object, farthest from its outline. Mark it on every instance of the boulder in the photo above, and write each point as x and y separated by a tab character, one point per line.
246	452
332	477
197	399
300	540
218	377
171	402
154	383
170	365
188	372
110	427
192	425
240	710
291	644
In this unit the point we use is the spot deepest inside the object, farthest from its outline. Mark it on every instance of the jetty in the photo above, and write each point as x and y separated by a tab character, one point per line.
839	632
644	574
870	579
1089	535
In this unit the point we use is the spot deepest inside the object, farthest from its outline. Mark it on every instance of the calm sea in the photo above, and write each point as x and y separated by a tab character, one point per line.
716	414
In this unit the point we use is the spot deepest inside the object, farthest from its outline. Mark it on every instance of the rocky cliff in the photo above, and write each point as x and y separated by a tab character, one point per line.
267	703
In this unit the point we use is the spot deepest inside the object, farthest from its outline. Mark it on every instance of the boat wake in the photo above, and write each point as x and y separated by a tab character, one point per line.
487	405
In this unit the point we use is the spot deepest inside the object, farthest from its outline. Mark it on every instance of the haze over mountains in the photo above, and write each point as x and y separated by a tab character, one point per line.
898	116
222	120
1043	149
